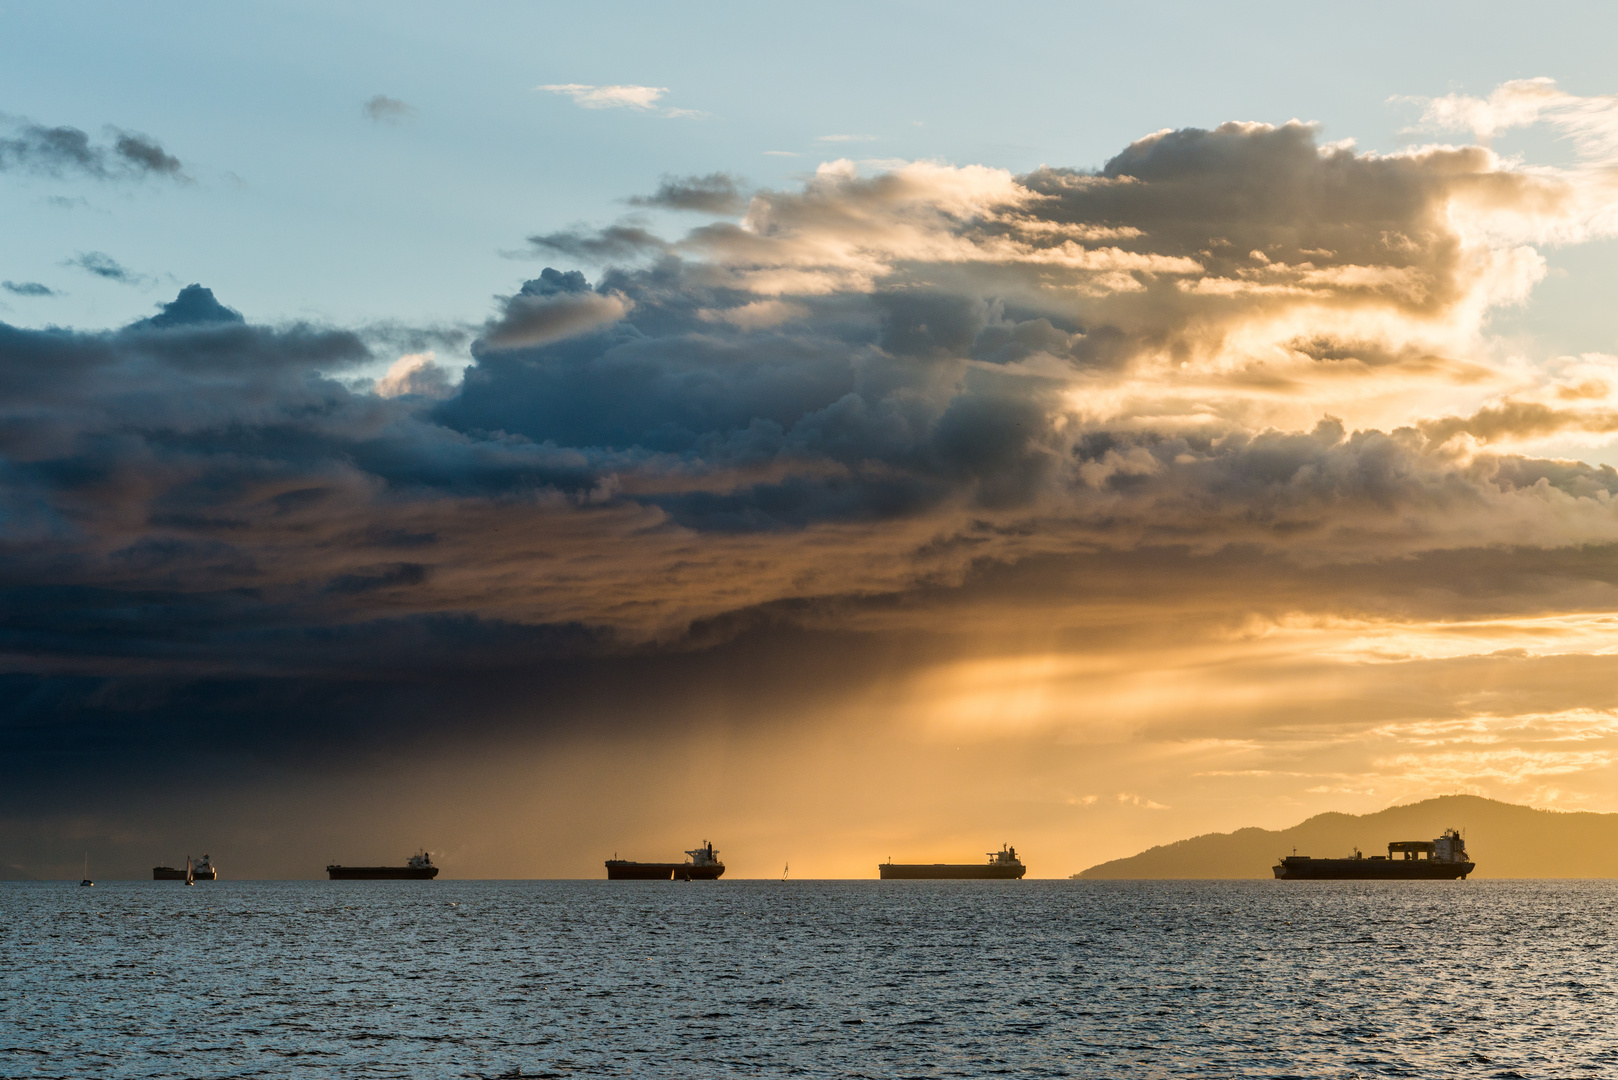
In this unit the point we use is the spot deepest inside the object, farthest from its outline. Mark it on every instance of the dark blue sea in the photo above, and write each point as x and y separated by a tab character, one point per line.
833	979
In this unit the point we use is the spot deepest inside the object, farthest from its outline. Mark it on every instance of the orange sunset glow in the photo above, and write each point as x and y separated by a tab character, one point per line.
895	505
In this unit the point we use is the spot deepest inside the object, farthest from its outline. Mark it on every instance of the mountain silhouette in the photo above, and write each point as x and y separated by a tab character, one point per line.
1505	840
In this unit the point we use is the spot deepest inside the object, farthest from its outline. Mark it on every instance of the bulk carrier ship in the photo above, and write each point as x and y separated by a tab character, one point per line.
418	868
1443	859
1002	864
704	865
202	871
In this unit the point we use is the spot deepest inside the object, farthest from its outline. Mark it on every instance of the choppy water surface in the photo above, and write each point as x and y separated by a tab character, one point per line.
882	979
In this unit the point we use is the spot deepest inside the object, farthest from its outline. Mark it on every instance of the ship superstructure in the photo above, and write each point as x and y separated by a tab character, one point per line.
1002	864
1441	859
704	865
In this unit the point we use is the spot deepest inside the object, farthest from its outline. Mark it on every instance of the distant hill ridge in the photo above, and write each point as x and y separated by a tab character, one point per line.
1505	840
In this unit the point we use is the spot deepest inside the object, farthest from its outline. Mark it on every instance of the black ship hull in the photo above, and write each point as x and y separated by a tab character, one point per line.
622	870
382	873
1300	868
168	873
951	871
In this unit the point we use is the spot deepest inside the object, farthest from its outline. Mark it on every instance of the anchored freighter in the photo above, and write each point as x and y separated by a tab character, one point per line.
1443	859
417	868
1002	864
704	865
202	871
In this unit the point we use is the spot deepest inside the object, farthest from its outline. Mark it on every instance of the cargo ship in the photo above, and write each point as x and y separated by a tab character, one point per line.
704	865
202	871
1002	864
417	868
1443	859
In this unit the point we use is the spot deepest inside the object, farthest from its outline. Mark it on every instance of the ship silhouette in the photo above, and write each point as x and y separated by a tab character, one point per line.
1002	865
704	865
419	867
1443	859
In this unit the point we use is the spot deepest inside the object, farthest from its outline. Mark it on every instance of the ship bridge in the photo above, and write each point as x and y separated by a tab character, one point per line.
1411	849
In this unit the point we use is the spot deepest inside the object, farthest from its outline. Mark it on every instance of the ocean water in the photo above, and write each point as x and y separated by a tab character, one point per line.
833	979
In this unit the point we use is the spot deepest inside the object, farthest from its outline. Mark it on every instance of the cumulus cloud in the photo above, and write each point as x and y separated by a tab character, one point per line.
1233	386
1235	336
756	315
416	374
66	151
194	306
1581	206
551	307
383	109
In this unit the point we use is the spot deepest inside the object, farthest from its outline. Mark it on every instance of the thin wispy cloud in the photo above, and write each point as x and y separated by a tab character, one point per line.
845	138
1592	122
622	96
715	193
782	153
27	288
106	267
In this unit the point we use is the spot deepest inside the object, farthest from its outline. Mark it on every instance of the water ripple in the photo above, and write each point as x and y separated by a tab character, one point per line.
814	979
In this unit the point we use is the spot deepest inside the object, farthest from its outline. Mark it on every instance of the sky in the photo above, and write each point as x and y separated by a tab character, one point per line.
539	433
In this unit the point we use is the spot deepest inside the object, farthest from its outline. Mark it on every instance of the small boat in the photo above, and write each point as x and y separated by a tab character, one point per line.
190	872
87	880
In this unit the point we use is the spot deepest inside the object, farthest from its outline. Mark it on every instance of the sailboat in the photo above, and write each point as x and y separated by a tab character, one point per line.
190	875
87	880
784	870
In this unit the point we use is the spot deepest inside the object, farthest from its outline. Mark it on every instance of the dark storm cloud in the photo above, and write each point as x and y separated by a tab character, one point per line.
67	151
869	391
27	288
715	193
